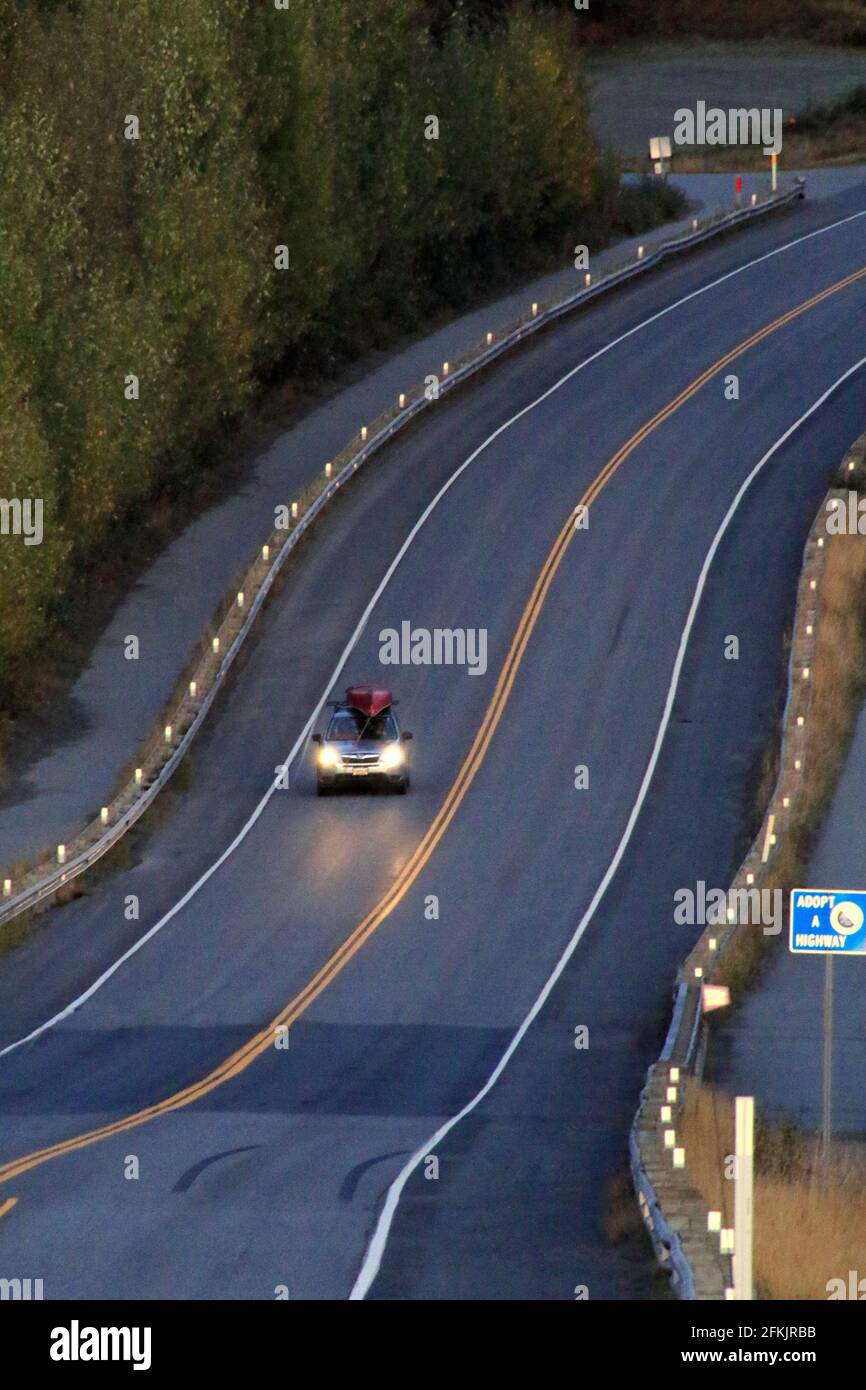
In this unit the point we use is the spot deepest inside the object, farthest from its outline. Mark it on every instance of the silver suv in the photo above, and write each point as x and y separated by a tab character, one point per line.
358	745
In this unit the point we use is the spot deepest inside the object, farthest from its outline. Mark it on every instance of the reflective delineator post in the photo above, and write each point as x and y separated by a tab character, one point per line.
744	1147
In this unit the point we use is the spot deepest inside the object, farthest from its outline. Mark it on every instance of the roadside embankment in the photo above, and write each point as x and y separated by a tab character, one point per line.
679	1134
809	1216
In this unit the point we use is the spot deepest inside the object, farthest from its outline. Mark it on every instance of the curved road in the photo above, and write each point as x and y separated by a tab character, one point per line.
155	1142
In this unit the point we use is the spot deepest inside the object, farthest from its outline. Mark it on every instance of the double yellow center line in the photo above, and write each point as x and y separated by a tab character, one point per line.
261	1041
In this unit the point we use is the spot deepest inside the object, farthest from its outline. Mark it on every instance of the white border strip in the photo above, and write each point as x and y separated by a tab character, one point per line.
376	1248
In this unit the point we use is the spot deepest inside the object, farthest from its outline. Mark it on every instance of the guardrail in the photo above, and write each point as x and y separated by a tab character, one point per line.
674	1213
41	883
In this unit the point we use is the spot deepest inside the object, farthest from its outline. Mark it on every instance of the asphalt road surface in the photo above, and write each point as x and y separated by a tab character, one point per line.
271	1170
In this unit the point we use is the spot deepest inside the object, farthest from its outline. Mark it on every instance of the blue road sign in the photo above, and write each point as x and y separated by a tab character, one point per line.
827	922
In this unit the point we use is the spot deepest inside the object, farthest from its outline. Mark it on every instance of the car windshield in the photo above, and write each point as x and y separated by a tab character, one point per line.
347	725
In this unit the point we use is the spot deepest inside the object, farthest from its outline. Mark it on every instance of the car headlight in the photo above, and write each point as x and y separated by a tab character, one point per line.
328	757
392	756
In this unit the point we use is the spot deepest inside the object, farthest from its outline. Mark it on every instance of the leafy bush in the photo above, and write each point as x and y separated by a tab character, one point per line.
154	257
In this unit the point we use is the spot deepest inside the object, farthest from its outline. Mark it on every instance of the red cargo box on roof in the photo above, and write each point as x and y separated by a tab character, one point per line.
368	699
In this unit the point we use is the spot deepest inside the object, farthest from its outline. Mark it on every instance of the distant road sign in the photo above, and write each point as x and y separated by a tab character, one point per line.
827	922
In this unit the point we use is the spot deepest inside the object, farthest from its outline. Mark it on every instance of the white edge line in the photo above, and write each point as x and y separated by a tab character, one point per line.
376	1248
302	737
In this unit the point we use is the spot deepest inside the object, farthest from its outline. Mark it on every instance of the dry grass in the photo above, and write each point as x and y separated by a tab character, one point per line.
706	1130
810	1222
840	667
810	1229
832	133
844	143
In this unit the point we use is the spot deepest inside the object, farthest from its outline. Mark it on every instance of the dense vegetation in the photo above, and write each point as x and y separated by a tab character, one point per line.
609	21
302	126
820	21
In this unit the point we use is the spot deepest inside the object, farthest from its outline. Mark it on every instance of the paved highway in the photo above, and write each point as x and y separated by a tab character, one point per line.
261	1167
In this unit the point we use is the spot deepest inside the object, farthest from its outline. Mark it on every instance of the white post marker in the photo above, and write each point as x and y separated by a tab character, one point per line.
774	172
744	1146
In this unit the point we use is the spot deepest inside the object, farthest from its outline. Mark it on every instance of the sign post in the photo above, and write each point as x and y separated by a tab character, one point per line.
827	1087
827	922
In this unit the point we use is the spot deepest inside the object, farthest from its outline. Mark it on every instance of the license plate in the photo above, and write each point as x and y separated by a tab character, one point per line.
359	771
